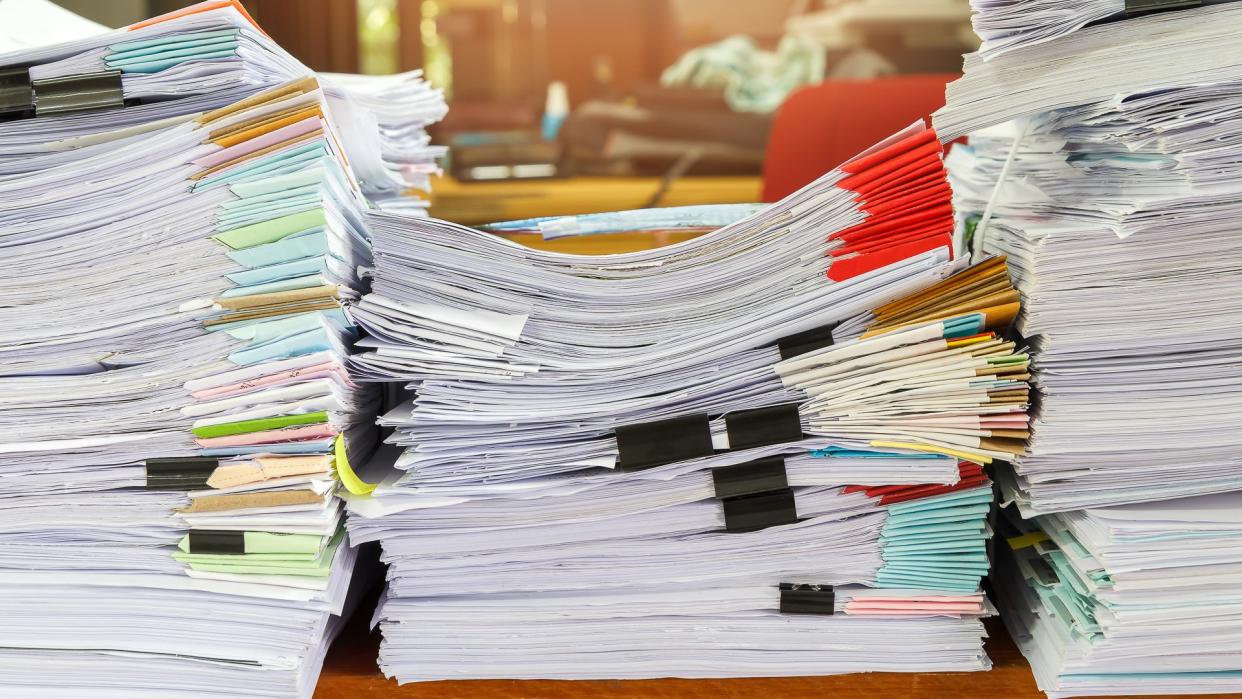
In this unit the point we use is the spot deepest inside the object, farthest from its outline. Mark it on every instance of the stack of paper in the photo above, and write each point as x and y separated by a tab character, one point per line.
176	406
1004	25
537	584
686	219
1116	215
1137	599
1114	194
675	456
1091	64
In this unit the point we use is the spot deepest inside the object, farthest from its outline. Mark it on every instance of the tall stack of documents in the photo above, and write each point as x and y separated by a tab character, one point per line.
1117	213
181	227
1105	161
752	453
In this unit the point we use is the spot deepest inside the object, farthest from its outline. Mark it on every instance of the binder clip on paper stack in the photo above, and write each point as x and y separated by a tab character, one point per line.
757	452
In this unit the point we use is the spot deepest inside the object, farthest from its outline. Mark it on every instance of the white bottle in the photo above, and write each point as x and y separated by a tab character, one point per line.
555	110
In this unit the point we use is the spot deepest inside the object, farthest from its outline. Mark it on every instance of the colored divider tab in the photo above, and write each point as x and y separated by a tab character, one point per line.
228	429
349	478
271	231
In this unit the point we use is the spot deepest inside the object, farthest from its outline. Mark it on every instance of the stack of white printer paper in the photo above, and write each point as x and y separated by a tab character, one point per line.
745	454
181	223
1106	163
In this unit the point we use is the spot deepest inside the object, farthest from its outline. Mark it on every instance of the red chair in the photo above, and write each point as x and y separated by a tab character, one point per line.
821	126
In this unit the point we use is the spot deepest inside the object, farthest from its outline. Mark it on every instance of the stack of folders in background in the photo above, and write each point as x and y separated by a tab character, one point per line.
396	111
181	229
752	453
1115	193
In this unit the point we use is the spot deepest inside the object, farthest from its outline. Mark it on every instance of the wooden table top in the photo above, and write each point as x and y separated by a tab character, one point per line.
350	673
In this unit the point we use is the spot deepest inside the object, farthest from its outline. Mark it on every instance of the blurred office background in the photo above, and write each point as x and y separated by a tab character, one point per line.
626	103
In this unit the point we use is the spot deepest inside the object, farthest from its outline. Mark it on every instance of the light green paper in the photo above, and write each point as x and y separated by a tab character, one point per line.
271	231
270	543
229	429
320	567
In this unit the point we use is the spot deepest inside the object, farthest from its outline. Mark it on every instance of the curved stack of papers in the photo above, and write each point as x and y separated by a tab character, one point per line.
183	230
1114	194
686	219
752	453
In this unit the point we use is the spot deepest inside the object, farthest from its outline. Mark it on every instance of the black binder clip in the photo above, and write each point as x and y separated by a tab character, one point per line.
16	93
79	93
649	444
806	341
189	473
761	427
807	599
750	513
1138	8
207	541
759	476
755	495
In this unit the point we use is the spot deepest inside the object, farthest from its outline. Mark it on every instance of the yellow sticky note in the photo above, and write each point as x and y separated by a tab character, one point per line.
1021	542
972	340
345	472
964	455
